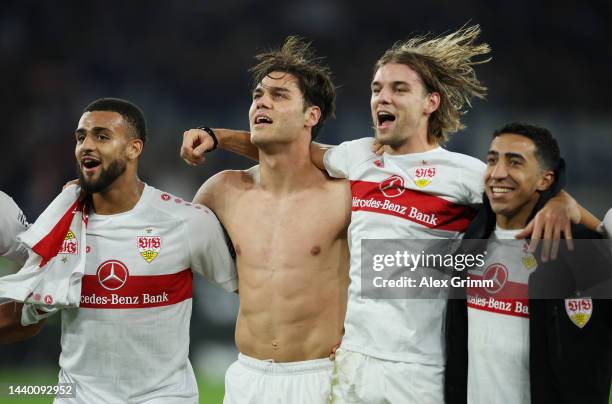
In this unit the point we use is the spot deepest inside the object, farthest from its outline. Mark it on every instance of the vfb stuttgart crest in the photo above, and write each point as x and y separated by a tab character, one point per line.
70	245
579	310
423	176
148	247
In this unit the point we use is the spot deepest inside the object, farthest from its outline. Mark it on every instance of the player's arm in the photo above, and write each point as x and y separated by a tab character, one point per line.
554	219
11	329
196	142
12	222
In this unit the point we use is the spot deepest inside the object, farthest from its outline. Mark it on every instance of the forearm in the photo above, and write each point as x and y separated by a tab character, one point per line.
587	219
317	154
237	141
11	329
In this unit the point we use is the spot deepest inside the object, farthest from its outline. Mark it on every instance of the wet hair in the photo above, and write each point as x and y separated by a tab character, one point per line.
297	58
129	111
445	66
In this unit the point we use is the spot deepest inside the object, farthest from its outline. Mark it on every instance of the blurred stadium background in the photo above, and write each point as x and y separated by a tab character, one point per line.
185	63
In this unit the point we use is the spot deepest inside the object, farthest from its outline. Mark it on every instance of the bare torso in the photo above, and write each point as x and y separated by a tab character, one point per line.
292	258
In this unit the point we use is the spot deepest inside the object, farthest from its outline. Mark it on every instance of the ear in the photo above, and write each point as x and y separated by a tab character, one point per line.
545	181
312	115
134	148
432	102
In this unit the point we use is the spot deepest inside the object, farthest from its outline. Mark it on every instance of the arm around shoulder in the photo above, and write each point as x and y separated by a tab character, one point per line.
11	329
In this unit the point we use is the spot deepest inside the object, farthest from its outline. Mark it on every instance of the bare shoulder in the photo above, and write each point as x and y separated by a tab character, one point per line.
222	184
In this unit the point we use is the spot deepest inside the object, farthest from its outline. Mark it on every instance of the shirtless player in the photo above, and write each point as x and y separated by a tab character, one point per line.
288	222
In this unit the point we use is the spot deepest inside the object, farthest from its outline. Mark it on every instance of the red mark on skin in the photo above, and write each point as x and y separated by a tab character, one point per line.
237	249
315	250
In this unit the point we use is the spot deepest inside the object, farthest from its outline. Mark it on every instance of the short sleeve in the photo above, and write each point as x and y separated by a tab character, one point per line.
340	161
336	161
607	224
209	251
12	222
472	182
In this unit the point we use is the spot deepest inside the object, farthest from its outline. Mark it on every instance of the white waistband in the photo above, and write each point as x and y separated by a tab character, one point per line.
269	366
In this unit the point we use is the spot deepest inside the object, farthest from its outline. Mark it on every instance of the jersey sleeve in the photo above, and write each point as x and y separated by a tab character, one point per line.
472	182
336	161
607	224
209	251
12	222
341	160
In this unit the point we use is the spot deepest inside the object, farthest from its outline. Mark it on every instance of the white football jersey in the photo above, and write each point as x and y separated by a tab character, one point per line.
426	195
498	323
128	342
12	222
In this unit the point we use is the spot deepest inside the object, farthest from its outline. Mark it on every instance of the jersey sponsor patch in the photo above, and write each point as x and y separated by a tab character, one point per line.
149	247
391	198
70	244
392	187
136	291
423	176
579	310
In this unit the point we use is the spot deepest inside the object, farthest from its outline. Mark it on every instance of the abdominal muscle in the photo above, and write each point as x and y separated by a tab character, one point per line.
293	313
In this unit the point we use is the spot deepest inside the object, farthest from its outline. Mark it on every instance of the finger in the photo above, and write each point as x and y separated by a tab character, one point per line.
526	232
555	243
569	239
199	151
536	235
548	237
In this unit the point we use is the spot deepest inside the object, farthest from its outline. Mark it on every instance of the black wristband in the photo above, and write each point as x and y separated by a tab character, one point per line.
212	135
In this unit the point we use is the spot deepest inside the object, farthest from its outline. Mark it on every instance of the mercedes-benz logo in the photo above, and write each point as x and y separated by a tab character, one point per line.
498	273
392	186
112	274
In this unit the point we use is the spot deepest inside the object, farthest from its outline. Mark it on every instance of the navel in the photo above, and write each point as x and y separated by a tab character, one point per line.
315	250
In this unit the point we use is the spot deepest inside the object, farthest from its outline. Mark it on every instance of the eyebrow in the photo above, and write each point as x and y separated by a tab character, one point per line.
95	129
272	89
393	83
507	155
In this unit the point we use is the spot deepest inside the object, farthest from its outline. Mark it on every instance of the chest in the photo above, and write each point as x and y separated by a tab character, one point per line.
299	226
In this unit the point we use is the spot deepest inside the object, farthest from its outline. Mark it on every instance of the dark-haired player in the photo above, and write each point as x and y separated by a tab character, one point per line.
128	341
288	222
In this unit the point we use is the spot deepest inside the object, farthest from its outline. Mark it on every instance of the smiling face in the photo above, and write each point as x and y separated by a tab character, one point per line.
102	149
278	113
400	104
514	178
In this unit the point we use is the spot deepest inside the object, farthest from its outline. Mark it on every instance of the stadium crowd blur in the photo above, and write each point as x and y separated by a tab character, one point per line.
185	63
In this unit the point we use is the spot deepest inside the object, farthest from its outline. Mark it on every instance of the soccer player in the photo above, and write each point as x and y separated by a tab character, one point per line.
128	342
12	222
288	222
520	347
393	349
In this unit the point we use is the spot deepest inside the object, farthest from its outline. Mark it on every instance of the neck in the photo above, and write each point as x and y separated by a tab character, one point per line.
416	143
121	196
287	167
517	220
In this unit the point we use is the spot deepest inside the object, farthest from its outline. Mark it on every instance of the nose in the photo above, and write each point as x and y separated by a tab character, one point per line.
264	101
87	144
383	96
499	171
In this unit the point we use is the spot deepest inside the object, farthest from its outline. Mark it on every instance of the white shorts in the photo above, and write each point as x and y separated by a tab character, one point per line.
254	381
360	378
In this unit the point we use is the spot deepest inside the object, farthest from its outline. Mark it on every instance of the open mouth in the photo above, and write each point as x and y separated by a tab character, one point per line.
90	164
385	118
500	190
261	119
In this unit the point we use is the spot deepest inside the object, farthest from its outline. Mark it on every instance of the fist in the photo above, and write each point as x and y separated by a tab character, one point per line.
195	143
